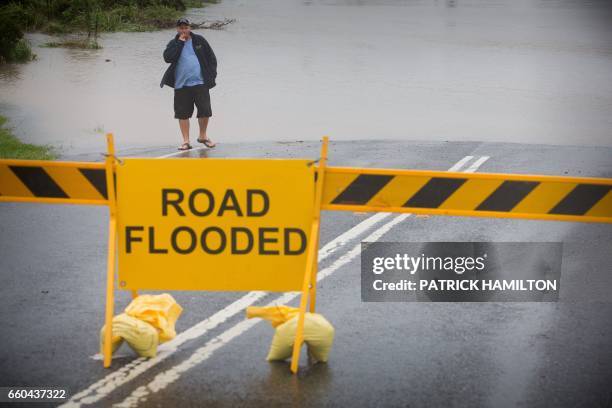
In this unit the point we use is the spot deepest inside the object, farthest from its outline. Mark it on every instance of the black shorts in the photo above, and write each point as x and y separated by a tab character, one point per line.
187	96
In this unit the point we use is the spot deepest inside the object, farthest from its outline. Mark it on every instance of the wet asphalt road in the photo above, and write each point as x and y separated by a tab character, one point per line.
385	354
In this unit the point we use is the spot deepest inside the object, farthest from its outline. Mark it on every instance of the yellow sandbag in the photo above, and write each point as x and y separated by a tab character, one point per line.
140	336
161	311
276	315
318	336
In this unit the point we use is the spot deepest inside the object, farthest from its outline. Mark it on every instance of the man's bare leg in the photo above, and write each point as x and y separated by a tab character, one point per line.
203	122
184	125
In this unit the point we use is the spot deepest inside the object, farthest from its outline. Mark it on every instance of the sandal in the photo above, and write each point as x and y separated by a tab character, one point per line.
185	146
207	142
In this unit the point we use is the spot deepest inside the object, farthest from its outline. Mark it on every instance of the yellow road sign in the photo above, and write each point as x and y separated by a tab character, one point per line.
468	194
53	182
214	224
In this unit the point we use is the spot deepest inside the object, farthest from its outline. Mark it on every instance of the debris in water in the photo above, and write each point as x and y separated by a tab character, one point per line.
214	24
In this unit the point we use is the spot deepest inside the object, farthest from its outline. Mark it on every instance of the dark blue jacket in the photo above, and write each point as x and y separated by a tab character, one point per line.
205	54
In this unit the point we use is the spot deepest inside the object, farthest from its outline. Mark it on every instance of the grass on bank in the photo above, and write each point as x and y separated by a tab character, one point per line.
12	148
20	52
85	44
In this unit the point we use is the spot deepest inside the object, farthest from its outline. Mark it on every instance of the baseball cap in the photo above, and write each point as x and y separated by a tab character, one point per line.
182	20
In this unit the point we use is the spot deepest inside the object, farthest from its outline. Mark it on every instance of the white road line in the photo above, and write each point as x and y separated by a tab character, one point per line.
457	166
477	164
195	149
109	383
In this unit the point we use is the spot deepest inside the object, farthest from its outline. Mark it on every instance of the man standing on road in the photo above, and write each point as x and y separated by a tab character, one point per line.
192	72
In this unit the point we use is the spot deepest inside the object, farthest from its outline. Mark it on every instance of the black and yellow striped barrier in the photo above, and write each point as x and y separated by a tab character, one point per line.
360	189
53	182
468	194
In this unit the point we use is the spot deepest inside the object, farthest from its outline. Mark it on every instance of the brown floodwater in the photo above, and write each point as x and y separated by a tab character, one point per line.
496	70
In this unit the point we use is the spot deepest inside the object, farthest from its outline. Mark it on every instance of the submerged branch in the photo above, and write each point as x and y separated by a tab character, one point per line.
214	24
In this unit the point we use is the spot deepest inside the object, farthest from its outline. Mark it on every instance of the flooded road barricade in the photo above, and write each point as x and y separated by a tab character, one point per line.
255	224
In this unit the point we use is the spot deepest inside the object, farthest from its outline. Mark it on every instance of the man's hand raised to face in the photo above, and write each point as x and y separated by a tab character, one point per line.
184	36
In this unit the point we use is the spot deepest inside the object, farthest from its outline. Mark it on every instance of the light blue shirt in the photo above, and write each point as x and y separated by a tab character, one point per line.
188	71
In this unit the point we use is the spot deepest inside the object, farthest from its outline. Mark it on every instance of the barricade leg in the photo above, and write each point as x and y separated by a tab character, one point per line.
112	247
110	293
310	274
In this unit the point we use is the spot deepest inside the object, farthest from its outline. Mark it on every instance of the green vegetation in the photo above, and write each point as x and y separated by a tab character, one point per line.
20	52
13	47
12	148
82	16
86	43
